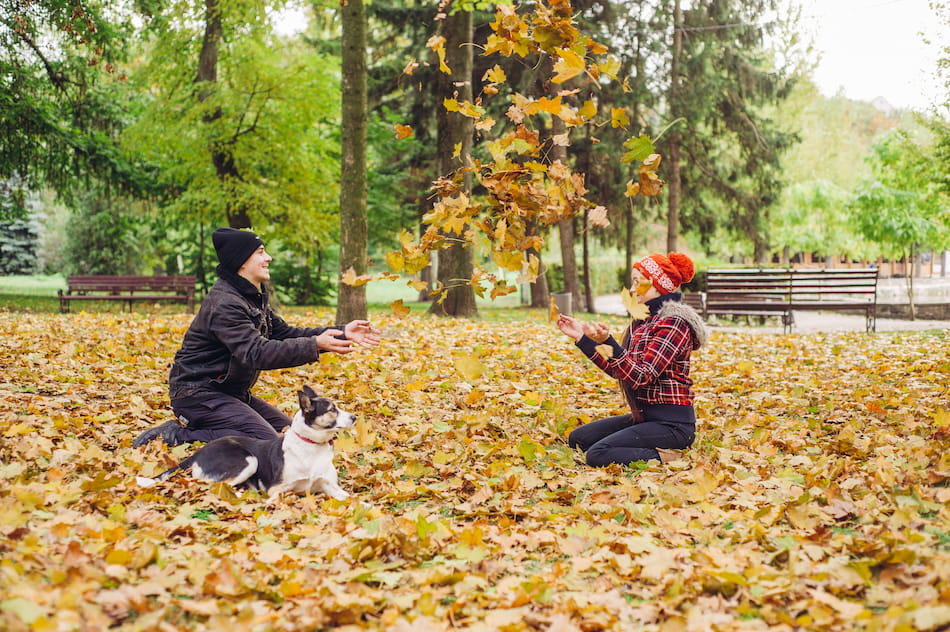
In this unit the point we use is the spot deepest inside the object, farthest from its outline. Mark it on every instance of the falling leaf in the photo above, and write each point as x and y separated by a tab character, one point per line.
640	147
469	366
398	309
403	131
619	118
437	43
598	217
568	65
350	278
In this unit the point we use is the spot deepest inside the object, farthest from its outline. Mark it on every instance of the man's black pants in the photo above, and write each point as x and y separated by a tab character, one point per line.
211	415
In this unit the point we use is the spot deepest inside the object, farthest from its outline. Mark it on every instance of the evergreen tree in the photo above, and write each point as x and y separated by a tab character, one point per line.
724	155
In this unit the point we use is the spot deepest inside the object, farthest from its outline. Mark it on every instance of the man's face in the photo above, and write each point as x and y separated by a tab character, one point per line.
256	269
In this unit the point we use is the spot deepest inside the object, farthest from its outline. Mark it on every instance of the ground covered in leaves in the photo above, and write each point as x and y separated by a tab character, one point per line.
815	498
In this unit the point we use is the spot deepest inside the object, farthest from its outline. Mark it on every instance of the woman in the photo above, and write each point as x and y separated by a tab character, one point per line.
652	365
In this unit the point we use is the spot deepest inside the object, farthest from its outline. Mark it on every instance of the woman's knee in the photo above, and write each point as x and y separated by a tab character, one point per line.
574	439
603	455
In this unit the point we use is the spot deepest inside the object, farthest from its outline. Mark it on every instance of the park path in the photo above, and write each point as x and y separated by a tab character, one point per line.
805	322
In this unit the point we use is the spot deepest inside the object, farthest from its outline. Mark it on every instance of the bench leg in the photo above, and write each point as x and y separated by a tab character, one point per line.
788	321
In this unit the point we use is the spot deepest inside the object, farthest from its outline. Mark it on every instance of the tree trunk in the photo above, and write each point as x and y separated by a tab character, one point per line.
219	148
673	185
565	228
909	275
351	303
455	262
628	246
540	293
585	261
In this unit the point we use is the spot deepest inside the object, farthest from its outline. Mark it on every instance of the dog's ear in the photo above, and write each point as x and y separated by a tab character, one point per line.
306	404
309	392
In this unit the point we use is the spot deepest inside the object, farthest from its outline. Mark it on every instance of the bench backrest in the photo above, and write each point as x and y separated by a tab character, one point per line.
745	283
791	285
858	283
95	282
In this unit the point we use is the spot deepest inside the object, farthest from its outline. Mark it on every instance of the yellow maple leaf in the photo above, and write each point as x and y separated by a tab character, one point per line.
636	309
469	366
619	118
588	110
605	351
398	309
350	278
437	43
568	66
495	74
553	312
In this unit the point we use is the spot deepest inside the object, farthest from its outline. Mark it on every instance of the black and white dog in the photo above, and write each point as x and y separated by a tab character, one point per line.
300	461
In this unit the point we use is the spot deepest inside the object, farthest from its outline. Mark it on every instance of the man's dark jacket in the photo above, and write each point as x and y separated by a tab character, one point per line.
233	338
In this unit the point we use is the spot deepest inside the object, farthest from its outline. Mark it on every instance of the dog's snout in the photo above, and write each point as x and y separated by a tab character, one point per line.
345	419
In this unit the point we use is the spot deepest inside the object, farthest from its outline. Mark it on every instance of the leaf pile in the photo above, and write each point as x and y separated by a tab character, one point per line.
815	497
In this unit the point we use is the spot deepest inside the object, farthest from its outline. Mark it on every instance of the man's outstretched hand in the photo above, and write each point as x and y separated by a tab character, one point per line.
362	333
357	332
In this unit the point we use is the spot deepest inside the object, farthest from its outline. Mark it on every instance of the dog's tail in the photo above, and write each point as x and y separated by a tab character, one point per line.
167	474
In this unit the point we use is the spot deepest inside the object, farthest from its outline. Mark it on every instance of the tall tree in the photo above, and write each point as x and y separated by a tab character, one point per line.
520	185
62	102
353	180
241	126
219	145
455	263
904	207
727	151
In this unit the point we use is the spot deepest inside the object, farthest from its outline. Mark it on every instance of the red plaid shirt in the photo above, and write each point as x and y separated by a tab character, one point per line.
654	364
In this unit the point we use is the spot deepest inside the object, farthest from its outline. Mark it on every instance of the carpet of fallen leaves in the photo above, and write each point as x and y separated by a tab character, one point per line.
816	496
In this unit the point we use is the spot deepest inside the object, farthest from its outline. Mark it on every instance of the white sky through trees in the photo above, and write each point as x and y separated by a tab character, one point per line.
877	48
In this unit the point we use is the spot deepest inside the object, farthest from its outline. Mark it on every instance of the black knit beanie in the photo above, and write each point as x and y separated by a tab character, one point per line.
234	246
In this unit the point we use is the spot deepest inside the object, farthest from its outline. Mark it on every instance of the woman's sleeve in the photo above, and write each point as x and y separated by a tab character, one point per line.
664	344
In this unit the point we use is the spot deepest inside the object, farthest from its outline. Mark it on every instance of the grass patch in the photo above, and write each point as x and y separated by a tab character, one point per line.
32	285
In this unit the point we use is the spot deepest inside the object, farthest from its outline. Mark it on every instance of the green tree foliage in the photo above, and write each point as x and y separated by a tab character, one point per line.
260	141
815	217
18	246
106	237
729	148
903	208
61	98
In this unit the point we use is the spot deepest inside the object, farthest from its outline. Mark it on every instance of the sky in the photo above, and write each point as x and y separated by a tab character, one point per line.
877	48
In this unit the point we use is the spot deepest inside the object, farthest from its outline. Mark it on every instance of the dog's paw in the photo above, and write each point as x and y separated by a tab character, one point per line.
143	481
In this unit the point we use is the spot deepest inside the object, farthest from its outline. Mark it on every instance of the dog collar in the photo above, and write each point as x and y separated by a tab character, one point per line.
330	442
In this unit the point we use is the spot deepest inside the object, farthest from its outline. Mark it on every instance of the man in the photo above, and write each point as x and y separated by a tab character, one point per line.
235	336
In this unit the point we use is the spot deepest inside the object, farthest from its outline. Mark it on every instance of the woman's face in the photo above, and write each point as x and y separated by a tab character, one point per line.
642	286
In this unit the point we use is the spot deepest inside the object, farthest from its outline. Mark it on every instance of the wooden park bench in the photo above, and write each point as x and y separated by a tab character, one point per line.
176	289
780	291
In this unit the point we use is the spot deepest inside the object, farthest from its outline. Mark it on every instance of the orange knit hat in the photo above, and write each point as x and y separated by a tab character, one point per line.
667	273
